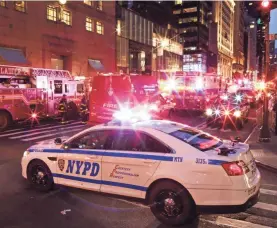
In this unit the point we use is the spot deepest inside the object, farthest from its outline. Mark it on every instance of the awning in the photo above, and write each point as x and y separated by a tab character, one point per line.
14	56
96	65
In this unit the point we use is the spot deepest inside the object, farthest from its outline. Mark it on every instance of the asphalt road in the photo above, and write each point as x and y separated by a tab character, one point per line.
23	207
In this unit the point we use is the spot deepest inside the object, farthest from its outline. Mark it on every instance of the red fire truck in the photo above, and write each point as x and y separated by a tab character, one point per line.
126	97
30	93
191	91
109	92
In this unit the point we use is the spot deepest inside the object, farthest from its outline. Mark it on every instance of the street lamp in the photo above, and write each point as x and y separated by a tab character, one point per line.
265	132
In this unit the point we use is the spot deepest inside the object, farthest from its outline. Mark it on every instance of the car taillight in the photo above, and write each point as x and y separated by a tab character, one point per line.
236	168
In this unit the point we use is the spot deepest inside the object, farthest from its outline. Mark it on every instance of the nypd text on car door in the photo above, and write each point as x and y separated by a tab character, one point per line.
80	163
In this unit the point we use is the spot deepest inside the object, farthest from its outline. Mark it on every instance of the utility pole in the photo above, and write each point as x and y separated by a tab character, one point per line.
265	132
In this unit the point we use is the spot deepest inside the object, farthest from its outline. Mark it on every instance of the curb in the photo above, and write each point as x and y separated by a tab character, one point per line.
265	166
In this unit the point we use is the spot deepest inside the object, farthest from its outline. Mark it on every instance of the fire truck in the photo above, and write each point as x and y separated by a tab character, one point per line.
191	91
123	96
32	93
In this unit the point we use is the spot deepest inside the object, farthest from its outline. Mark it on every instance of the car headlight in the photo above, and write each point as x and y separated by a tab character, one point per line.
26	153
237	113
209	112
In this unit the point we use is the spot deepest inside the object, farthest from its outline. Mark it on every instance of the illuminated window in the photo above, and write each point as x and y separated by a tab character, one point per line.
89	24
190	10
118	27
178	2
187	20
89	3
66	17
99	5
176	11
2	3
51	13
99	28
20	6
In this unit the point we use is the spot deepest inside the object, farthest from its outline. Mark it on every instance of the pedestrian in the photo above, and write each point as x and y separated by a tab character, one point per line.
63	109
84	110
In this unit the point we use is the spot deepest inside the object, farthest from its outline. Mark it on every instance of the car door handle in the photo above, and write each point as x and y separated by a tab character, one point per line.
92	157
149	162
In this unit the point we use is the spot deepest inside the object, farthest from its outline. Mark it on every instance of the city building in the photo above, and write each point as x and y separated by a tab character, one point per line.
273	60
193	21
146	43
250	46
74	36
223	15
238	50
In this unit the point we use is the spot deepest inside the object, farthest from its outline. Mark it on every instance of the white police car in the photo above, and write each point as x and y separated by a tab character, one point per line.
176	168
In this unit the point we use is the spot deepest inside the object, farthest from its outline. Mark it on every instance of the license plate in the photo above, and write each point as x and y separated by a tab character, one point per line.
252	190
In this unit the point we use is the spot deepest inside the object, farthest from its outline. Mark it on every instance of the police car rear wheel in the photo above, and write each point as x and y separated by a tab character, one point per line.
171	204
39	176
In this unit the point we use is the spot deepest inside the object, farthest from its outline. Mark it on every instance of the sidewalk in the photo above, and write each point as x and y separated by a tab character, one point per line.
264	153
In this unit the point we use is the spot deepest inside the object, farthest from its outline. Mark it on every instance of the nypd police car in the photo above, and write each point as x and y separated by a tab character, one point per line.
174	167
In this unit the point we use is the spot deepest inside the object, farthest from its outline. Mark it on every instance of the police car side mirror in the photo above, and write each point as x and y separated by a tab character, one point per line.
58	141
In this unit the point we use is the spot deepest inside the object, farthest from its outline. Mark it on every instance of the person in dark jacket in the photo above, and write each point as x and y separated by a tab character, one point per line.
84	110
63	109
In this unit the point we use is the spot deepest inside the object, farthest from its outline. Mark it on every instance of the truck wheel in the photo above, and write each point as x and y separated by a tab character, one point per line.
5	120
171	203
39	176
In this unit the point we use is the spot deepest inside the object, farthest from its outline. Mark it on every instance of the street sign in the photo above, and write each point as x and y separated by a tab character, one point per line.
272	36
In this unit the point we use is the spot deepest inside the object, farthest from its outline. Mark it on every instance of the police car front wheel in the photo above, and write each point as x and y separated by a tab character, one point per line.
39	176
171	203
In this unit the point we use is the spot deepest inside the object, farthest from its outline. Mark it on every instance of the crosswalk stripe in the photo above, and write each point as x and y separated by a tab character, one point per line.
49	135
37	129
24	128
266	206
47	131
223	221
268	192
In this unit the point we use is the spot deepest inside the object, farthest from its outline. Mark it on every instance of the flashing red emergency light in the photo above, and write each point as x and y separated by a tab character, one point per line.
265	3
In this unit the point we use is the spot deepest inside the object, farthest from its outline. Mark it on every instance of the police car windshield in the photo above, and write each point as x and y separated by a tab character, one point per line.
200	141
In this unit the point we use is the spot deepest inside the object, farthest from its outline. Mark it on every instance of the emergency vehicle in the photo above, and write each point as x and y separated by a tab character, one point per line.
29	93
118	94
109	93
177	169
192	90
228	110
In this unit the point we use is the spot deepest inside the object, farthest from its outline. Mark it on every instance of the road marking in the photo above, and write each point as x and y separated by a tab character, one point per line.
49	135
24	128
268	192
38	129
237	223
40	132
251	133
266	206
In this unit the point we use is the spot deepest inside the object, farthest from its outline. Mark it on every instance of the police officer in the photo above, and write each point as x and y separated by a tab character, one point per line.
84	109
63	109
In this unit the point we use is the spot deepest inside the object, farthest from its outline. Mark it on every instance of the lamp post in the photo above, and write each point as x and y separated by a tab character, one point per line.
265	132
